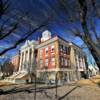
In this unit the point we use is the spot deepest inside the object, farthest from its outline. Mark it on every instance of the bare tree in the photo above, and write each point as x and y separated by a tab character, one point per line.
12	23
3	7
81	11
7	67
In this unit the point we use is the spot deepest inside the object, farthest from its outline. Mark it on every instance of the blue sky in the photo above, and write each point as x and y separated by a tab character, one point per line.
38	11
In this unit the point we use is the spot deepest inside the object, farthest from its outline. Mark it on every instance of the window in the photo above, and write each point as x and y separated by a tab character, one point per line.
61	47
53	61
68	63
66	49
46	62
46	51
78	54
52	48
62	61
75	51
81	62
65	62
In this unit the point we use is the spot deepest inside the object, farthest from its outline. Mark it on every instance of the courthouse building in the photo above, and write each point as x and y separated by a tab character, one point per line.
59	58
52	58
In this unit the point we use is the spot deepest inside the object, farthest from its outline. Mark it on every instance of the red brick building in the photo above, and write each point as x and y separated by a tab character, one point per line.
57	56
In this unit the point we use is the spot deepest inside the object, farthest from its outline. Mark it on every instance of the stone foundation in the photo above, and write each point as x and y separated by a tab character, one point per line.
61	76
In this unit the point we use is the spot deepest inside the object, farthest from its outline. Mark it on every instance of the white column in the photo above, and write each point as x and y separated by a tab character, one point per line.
32	58
28	52
23	61
20	65
28	59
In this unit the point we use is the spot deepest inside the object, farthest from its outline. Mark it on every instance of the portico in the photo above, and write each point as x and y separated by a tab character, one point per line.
27	63
27	56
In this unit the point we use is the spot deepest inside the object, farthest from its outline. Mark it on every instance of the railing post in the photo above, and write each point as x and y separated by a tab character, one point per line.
35	89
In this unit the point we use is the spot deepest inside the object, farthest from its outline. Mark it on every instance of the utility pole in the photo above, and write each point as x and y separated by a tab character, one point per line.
56	85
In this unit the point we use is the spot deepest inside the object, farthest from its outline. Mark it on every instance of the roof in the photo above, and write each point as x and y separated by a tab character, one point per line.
47	42
29	43
69	41
54	39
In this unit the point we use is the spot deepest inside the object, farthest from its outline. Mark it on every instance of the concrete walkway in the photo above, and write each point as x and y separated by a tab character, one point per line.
83	90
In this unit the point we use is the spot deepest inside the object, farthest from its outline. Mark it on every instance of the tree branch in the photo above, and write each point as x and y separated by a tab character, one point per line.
9	32
95	8
15	27
94	31
87	39
3	7
22	39
75	31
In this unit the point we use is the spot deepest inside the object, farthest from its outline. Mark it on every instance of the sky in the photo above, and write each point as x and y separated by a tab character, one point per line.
38	11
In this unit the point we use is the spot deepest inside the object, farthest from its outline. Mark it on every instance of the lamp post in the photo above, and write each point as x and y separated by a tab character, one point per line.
34	67
56	83
35	87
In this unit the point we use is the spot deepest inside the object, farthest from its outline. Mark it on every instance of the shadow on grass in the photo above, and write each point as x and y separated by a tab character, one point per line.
42	90
68	93
97	83
26	89
14	90
31	89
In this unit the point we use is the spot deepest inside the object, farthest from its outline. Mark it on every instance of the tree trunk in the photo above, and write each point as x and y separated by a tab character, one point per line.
90	44
95	53
86	37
